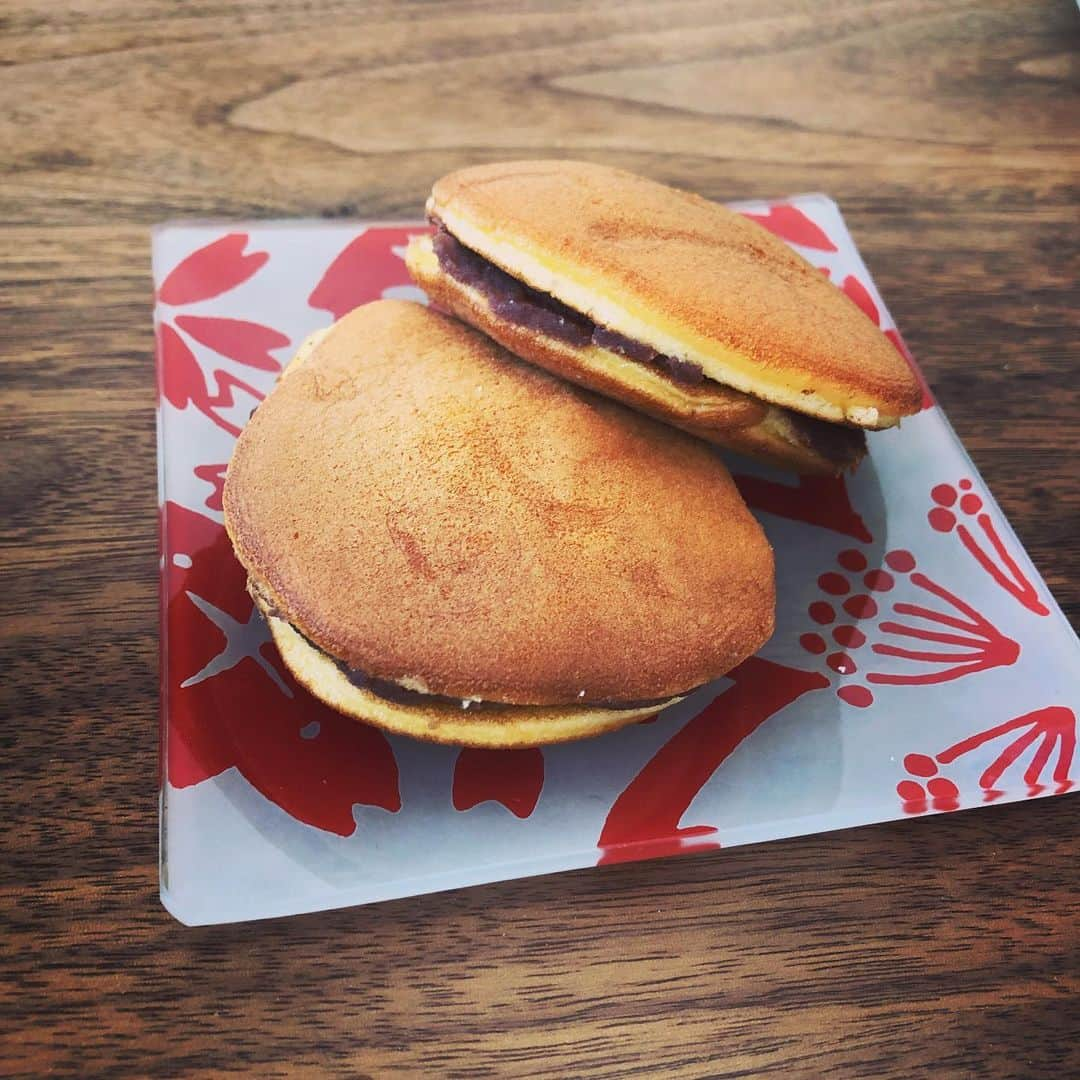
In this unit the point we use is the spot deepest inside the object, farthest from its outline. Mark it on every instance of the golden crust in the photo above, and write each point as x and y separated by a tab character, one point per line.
509	726
688	277
432	511
713	412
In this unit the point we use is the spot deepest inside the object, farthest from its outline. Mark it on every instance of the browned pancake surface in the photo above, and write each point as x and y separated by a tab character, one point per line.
693	265
719	414
438	720
431	510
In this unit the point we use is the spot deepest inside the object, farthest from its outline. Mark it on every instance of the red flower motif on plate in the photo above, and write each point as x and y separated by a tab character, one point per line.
210	271
231	703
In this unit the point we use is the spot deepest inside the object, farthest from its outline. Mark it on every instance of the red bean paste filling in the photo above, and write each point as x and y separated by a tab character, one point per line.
531	309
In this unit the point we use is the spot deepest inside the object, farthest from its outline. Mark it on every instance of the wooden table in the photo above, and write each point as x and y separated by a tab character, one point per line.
947	131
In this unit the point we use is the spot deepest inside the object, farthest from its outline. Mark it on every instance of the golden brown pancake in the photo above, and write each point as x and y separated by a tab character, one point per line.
686	277
416	507
714	412
437	720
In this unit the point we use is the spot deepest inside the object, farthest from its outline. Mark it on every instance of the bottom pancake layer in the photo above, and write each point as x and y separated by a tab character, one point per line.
493	726
709	410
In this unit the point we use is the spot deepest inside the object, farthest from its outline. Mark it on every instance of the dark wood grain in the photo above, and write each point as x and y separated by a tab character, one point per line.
947	131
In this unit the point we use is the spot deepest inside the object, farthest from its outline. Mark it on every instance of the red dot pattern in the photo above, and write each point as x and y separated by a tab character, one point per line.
860	607
944	494
920	765
849	637
841	663
940	519
903	562
971	504
965	484
879	581
833	584
941	788
909	791
858	696
852	560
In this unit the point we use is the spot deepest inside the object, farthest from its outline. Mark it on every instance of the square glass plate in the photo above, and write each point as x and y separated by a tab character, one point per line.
919	664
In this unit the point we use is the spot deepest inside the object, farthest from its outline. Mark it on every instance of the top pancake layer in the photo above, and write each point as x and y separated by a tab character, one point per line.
685	275
430	510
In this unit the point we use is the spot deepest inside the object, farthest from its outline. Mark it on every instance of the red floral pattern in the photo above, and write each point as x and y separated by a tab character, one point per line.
208	272
813	500
245	342
513	778
1047	729
364	269
214	475
644	820
990	552
211	271
792	225
183	382
956	639
230	703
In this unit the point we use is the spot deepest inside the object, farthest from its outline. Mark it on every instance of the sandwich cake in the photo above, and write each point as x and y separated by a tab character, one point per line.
669	303
452	544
